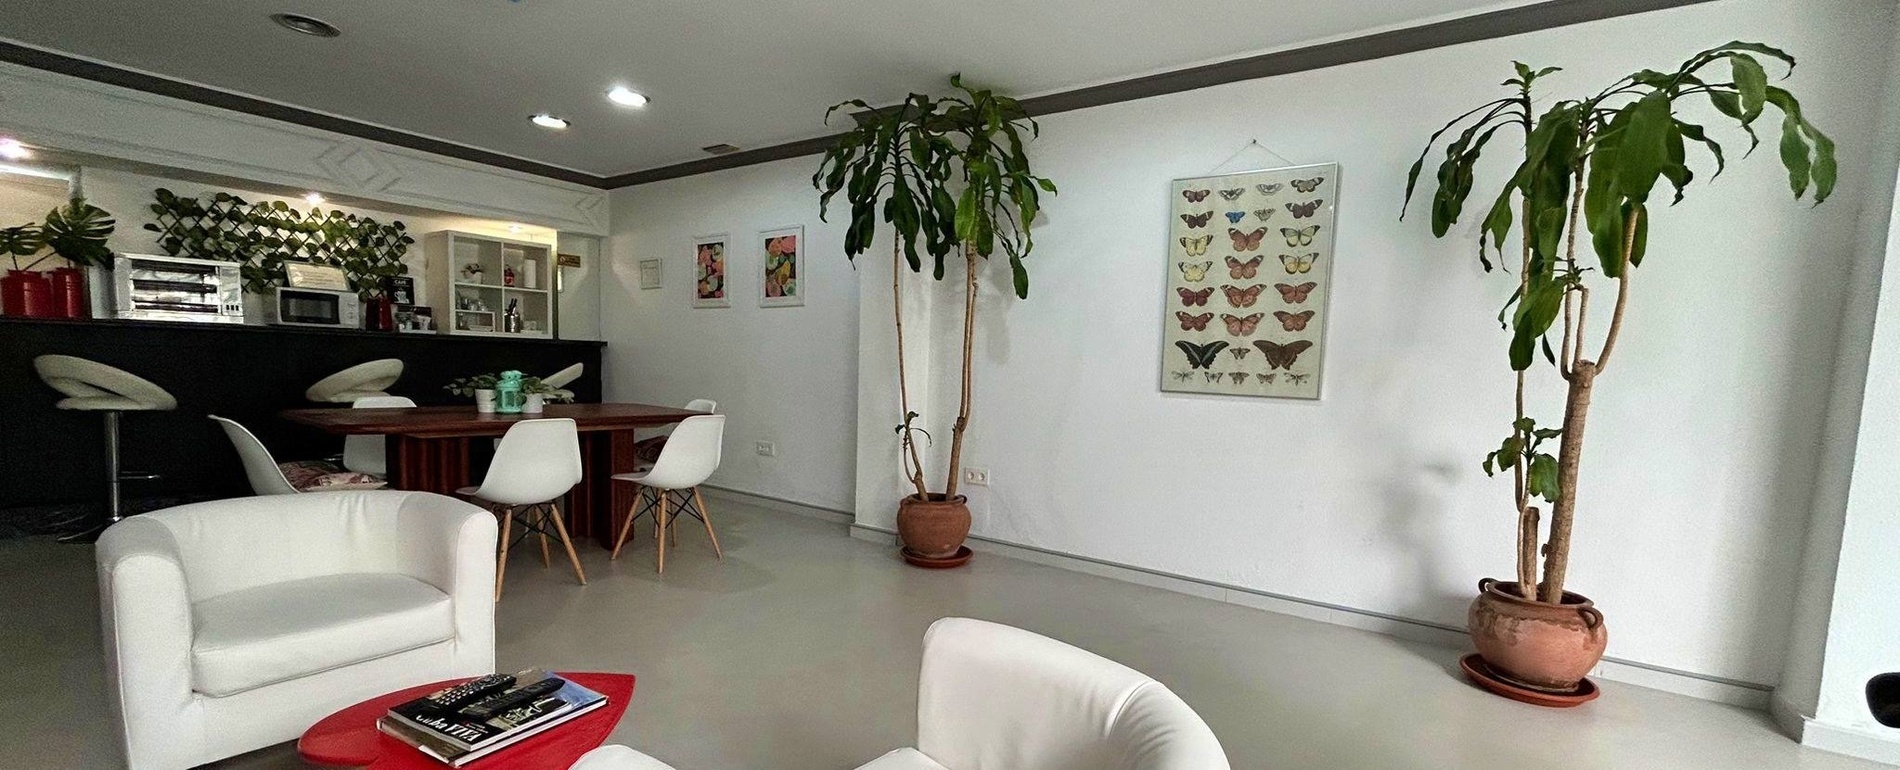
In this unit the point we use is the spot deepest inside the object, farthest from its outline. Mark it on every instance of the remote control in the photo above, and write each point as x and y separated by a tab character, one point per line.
494	705
469	692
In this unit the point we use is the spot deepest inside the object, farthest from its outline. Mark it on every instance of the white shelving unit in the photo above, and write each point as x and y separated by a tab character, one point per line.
473	278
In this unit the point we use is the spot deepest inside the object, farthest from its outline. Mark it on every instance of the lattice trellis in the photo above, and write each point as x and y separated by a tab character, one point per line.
263	236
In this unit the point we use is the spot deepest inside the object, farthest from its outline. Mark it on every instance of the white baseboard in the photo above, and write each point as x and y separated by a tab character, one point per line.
1738	693
779	504
1851	740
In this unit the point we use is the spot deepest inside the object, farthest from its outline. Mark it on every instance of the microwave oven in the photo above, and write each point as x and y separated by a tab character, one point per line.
148	287
291	306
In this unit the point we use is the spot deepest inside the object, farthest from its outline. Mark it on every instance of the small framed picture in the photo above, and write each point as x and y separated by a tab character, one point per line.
650	274
782	267
400	289
709	271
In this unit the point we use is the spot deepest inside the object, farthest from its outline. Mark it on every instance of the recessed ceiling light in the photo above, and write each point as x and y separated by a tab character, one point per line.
625	96
545	120
514	228
314	199
11	149
297	22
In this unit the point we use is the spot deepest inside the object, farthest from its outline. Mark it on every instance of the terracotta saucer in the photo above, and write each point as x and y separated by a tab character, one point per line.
1480	672
958	559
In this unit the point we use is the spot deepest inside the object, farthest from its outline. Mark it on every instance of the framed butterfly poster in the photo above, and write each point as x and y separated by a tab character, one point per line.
782	267
709	271
1249	263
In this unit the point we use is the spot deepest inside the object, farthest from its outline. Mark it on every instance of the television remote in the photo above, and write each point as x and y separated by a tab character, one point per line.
494	705
469	692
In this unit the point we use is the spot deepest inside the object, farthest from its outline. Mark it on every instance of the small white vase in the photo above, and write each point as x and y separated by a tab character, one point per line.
533	403
485	401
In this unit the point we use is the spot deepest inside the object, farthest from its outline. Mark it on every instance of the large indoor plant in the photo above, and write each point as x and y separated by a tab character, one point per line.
1588	170
77	233
949	174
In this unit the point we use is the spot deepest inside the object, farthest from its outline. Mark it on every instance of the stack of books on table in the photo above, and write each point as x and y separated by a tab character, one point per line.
535	702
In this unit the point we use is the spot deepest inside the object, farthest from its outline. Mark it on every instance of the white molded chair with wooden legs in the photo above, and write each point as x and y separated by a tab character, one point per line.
690	457
269	477
370	454
536	463
993	697
648	449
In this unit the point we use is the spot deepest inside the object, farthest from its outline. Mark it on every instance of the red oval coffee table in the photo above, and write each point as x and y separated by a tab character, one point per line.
349	738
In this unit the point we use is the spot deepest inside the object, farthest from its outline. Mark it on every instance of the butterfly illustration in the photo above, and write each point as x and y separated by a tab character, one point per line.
1293	322
1241	327
1299	263
1279	356
1295	295
1305	210
1300	237
1239	353
1211	376
1194	272
1195	196
1265	379
1247	269
1193	323
1202	356
1246	241
1239	377
1264	214
1233	217
1197	246
1192	298
1267	189
1239	297
1298	379
1308	185
1197	220
1181	376
1232	194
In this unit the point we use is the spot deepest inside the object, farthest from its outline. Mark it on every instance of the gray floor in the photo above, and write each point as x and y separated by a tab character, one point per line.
800	650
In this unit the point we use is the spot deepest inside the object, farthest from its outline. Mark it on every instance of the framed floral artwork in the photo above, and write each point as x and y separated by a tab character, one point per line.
782	268
709	272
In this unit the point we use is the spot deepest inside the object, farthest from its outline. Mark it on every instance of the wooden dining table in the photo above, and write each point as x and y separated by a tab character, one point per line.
429	449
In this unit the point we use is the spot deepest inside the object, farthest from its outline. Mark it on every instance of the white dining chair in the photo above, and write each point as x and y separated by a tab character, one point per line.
564	377
648	449
269	477
370	454
686	462
369	378
536	463
90	386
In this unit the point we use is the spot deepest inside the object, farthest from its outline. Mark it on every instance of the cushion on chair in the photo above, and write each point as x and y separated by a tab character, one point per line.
903	759
648	450
321	476
274	633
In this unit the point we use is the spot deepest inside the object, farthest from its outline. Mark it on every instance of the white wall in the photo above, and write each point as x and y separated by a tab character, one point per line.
784	375
1701	461
580	287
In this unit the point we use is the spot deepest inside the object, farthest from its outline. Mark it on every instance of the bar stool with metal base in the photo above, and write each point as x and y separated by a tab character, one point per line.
689	458
536	463
365	379
564	377
94	387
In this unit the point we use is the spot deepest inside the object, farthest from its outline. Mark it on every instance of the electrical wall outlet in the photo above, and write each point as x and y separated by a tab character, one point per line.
765	449
976	477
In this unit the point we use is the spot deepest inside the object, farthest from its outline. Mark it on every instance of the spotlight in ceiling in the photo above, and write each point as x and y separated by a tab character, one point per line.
11	149
314	199
297	22
626	97
545	120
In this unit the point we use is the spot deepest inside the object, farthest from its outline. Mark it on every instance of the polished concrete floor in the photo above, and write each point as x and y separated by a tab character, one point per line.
800	650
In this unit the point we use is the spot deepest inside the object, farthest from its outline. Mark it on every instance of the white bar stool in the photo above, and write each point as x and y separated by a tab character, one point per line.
687	460
536	463
94	387
365	379
564	377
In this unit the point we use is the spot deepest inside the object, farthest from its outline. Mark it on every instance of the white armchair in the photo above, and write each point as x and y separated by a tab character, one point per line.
992	697
235	624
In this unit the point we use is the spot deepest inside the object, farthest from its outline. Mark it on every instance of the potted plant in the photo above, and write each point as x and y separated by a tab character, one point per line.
77	233
1588	170
481	387
537	394
952	171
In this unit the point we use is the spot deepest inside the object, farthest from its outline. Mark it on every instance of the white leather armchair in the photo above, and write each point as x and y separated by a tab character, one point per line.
617	758
235	624
993	697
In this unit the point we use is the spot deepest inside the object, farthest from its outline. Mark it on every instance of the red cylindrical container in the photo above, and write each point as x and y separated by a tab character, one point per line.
69	293
26	293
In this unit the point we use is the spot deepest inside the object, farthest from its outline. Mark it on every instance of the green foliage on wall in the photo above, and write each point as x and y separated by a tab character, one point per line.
263	236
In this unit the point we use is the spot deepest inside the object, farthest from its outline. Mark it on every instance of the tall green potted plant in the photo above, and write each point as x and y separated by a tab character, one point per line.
950	173
77	233
1588	171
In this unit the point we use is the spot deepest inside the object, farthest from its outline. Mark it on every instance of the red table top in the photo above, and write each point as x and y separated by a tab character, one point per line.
349	738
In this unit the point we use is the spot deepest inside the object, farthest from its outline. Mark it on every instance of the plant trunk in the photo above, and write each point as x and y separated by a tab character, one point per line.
963	404
1527	551
1569	456
915	473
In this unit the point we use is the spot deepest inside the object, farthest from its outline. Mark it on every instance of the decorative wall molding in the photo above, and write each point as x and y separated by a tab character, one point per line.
94	118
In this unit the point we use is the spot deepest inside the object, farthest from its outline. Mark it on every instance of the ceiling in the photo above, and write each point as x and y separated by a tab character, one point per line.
752	73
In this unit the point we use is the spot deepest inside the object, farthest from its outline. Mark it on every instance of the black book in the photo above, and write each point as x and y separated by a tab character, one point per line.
457	738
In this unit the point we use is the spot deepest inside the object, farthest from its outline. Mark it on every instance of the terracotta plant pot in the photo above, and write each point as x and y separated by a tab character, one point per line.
1536	645
933	527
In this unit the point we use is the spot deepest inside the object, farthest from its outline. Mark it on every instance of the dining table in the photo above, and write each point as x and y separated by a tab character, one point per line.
429	449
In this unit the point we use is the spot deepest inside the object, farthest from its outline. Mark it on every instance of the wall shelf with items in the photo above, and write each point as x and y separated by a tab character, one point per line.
475	279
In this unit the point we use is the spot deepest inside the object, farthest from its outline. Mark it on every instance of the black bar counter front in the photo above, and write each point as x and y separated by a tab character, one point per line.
50	456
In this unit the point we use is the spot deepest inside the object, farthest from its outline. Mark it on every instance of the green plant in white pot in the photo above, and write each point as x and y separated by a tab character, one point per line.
1589	177
950	173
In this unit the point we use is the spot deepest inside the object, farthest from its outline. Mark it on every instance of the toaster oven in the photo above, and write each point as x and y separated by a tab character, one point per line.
154	288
